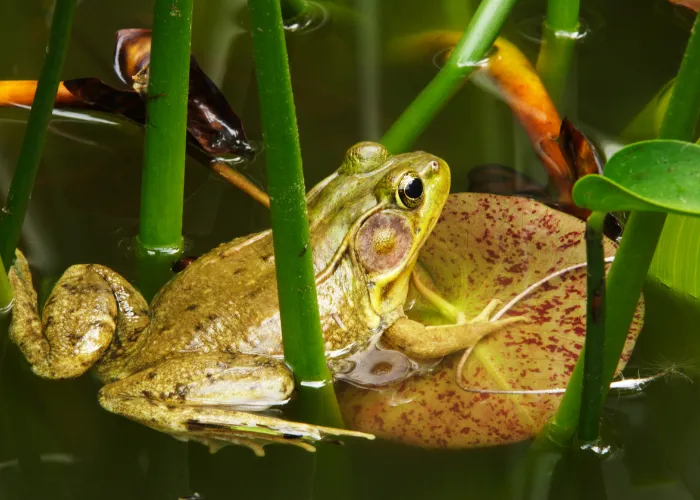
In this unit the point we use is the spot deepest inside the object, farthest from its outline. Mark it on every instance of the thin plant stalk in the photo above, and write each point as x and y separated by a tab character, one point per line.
683	109
301	330
472	48
591	402
555	60
12	217
629	270
5	289
369	69
162	189
563	15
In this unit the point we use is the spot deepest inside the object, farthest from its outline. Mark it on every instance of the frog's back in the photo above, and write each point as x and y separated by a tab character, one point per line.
224	301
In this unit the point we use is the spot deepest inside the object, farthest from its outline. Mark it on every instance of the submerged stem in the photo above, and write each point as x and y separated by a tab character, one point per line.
12	216
591	402
162	189
301	330
465	58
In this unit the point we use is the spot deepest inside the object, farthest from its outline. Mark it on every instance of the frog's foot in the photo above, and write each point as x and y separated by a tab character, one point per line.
206	397
484	317
79	319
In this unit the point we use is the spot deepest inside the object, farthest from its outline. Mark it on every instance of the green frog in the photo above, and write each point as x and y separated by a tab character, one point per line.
205	359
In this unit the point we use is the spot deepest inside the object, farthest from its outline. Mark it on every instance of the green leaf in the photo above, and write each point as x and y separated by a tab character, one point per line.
676	259
650	176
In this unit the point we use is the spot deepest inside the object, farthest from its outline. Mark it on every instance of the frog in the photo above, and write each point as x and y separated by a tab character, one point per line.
204	361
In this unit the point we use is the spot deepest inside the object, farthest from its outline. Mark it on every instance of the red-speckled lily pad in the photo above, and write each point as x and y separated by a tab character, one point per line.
485	247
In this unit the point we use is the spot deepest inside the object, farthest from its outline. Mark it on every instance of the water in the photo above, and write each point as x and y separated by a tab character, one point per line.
55	440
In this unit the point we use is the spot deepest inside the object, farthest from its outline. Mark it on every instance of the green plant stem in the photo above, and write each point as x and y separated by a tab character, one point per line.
625	281
301	330
471	49
163	182
12	216
5	290
684	105
633	258
563	15
293	8
559	35
591	403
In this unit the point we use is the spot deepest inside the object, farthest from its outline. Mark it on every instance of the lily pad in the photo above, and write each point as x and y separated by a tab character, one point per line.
484	247
656	176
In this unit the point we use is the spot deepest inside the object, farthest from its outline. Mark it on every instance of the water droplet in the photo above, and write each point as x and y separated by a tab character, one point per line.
315	17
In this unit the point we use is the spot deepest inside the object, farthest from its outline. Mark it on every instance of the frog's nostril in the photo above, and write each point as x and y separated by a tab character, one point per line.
435	166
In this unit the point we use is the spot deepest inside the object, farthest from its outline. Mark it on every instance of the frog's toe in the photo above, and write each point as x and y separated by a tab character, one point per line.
486	314
260	431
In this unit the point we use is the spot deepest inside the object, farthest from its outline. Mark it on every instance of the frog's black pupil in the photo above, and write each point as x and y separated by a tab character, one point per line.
414	189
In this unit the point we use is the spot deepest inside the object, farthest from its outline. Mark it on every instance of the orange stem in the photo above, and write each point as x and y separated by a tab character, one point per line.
238	180
21	93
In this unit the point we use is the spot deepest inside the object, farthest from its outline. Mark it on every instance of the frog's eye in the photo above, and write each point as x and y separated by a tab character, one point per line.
410	191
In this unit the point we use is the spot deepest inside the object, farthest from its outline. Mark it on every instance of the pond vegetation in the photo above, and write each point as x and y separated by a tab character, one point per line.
521	315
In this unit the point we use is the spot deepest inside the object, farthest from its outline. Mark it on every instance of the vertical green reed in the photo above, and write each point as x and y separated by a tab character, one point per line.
12	217
562	15
166	127
5	290
472	48
629	270
592	389
559	34
301	329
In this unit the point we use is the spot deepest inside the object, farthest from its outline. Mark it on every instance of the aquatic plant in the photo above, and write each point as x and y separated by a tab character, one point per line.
161	226
166	128
650	179
303	341
12	216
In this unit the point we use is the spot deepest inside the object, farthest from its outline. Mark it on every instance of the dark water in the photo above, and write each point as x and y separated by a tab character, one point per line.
56	442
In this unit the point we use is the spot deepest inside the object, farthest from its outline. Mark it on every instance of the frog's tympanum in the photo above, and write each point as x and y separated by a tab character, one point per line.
206	357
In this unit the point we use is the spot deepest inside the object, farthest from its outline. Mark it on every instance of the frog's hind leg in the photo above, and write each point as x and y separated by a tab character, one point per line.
204	397
87	305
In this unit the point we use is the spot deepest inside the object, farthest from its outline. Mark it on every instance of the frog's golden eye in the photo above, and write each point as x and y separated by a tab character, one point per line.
410	191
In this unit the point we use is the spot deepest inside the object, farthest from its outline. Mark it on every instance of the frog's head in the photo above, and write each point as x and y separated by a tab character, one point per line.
383	207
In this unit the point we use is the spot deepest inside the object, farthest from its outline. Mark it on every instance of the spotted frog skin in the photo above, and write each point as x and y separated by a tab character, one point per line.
206	356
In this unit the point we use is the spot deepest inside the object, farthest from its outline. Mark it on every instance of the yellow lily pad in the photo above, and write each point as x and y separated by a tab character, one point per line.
485	247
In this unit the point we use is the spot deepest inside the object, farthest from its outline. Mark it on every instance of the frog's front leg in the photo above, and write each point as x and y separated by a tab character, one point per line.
87	305
419	341
204	397
425	342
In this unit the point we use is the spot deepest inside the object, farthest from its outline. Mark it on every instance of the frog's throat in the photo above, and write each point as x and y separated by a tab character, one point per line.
344	245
